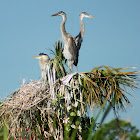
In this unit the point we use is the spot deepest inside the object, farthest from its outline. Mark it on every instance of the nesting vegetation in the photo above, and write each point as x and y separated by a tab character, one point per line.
57	109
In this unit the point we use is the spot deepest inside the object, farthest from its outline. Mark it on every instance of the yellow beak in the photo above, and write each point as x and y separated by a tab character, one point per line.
36	57
91	16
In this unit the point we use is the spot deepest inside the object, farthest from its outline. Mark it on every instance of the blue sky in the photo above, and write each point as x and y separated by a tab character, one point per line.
27	28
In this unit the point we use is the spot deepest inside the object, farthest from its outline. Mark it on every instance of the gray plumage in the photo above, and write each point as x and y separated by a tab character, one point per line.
43	61
70	51
79	38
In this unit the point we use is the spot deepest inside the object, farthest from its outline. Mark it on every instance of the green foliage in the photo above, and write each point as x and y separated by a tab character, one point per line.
116	130
3	133
57	61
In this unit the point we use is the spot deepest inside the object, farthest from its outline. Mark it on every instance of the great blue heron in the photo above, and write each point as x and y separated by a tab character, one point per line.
79	38
43	60
70	51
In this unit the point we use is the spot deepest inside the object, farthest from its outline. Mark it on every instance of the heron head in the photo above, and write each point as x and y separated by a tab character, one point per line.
61	13
84	14
42	56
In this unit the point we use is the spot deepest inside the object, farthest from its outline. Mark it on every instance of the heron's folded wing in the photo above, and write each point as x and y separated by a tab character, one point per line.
73	50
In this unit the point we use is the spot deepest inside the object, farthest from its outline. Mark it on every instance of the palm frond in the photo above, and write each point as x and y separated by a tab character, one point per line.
113	83
57	61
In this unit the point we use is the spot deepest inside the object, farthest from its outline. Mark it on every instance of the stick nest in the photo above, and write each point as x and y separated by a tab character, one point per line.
23	108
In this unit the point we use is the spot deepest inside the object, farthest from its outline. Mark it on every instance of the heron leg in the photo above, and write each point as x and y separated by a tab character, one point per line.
70	66
76	69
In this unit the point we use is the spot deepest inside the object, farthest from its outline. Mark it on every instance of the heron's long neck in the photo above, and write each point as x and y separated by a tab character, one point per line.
63	30
82	27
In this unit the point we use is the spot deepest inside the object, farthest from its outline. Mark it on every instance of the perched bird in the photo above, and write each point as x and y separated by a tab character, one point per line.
79	38
70	51
43	60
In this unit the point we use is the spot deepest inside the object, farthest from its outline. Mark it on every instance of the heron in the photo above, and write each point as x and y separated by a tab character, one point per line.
69	51
79	38
43	60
